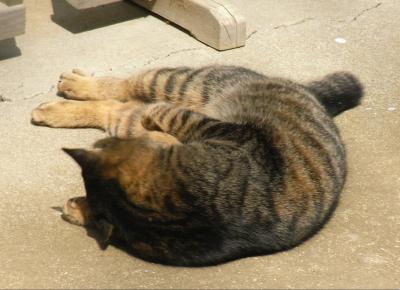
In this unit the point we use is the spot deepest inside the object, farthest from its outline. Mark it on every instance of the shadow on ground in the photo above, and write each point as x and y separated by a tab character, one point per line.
77	21
9	49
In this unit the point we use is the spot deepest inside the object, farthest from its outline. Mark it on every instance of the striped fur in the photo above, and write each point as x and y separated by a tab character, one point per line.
205	165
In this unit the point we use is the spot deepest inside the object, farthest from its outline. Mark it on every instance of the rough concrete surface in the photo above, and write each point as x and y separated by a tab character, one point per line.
301	39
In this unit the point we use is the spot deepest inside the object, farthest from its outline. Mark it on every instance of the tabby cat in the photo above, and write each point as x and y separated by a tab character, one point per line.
205	165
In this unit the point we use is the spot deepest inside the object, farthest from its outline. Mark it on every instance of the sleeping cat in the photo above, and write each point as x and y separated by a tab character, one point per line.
205	165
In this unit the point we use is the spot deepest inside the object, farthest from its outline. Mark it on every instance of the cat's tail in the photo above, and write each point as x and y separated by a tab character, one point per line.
337	92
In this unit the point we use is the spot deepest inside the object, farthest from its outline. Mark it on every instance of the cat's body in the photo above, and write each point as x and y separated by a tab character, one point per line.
209	165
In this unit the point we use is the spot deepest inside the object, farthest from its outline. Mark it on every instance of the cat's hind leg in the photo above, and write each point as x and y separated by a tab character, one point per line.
122	120
112	116
75	114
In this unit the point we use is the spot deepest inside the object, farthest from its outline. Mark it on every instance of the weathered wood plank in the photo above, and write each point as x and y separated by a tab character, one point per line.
12	20
214	22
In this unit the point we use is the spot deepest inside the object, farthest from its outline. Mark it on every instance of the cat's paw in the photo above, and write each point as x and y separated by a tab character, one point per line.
76	211
77	85
54	114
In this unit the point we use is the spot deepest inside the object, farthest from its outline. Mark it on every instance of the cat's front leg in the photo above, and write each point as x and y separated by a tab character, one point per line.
122	120
78	85
76	211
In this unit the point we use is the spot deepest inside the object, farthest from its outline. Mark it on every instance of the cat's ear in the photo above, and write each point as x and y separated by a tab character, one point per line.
85	158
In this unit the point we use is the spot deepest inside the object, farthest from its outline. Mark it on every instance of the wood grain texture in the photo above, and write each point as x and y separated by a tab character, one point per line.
214	22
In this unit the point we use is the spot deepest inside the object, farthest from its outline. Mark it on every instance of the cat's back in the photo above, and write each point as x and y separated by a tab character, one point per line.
311	153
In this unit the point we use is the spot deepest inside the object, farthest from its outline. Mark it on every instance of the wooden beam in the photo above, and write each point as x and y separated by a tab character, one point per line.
12	19
214	22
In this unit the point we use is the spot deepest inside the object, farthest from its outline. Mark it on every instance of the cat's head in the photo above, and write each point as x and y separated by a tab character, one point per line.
105	169
107	157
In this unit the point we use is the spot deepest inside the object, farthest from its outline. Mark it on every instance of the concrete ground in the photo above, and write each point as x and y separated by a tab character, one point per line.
302	39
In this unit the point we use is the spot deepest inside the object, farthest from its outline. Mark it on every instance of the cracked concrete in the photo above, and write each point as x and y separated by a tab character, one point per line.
359	248
51	89
294	24
151	61
366	10
251	34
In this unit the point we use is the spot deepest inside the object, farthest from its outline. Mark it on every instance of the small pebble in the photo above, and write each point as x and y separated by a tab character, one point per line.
3	99
340	40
